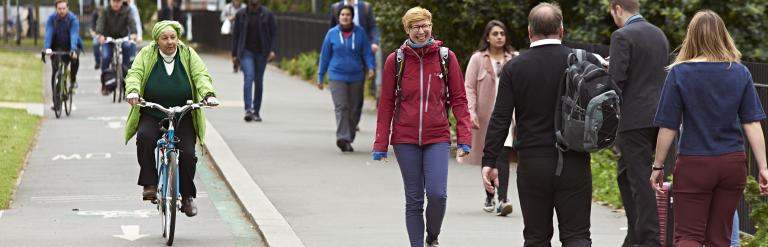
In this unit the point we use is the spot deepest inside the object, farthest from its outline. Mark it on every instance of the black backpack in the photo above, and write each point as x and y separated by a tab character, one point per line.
400	65
587	114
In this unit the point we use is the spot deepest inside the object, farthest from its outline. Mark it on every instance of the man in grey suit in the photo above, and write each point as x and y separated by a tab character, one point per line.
638	54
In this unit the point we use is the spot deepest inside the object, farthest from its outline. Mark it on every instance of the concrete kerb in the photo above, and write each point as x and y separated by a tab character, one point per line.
273	227
32	108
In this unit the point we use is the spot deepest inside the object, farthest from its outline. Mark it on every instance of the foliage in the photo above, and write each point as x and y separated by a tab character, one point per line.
147	9
758	214
460	23
304	65
604	186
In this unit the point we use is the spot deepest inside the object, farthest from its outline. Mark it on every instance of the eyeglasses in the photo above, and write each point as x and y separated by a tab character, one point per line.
422	27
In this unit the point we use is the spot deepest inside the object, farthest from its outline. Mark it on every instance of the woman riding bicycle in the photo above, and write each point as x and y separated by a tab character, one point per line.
169	73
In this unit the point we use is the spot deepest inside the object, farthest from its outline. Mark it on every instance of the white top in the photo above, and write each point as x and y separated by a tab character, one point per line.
546	42
168	66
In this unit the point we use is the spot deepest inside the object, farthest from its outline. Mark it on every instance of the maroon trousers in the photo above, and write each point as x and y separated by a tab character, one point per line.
707	190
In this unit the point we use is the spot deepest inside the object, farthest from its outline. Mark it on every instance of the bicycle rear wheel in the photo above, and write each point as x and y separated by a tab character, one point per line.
114	92
57	95
170	198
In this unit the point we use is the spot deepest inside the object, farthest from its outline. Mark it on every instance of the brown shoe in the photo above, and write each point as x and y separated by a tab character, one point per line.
188	206
149	193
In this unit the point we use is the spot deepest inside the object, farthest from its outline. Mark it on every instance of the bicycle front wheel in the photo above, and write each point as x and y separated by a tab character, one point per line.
57	96
171	198
68	99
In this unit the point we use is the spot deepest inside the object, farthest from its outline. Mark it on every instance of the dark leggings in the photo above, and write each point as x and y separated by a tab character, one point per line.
502	163
146	141
74	65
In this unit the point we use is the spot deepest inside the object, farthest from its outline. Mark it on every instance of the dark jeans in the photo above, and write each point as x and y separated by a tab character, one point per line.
347	100
541	193
636	149
146	141
106	54
502	164
707	191
253	66
424	168
96	51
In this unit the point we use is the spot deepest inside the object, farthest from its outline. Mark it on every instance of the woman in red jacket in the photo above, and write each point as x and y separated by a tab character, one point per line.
415	121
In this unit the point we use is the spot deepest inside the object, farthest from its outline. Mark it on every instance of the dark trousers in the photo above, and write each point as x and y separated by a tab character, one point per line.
636	149
541	193
502	164
424	168
146	141
253	66
707	190
74	66
347	103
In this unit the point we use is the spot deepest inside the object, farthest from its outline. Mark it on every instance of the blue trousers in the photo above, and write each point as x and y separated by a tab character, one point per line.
253	66
96	51
106	55
424	168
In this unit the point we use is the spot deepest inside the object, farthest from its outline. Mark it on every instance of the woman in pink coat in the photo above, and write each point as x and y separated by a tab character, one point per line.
481	84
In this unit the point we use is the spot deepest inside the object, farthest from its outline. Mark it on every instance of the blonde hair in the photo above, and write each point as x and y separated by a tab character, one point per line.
707	38
415	14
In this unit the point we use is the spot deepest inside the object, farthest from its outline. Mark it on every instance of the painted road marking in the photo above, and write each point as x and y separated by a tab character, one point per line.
88	156
1	213
115	125
108	118
130	233
92	198
141	213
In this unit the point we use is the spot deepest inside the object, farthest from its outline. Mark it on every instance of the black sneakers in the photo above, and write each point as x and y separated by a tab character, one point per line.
250	116
489	204
188	206
344	145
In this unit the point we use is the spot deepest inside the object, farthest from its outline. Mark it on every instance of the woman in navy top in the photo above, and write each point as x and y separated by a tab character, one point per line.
712	95
345	55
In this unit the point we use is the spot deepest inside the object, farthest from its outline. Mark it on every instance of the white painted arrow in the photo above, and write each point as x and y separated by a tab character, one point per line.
130	233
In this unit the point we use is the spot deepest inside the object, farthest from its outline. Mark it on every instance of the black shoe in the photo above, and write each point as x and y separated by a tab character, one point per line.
349	147
504	209
342	144
188	206
489	204
149	193
256	118
432	243
248	116
96	66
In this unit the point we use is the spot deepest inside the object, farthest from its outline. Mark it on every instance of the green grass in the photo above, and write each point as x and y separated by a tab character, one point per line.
18	131
22	75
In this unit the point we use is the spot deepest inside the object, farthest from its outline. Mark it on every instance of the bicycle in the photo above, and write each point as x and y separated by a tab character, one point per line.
118	95
61	87
167	163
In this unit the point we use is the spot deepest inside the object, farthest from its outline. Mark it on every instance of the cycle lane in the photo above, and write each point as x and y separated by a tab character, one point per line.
79	186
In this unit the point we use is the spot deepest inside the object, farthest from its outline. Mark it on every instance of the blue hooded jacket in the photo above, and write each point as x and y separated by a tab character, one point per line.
75	42
342	58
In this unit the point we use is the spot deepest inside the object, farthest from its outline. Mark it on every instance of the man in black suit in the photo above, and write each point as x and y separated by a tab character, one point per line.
529	87
639	52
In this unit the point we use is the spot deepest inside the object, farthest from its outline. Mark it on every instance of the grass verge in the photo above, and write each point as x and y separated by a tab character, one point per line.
22	76
19	129
605	189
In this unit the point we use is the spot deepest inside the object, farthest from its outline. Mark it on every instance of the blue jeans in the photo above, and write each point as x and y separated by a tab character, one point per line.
735	241
424	168
253	66
106	54
96	51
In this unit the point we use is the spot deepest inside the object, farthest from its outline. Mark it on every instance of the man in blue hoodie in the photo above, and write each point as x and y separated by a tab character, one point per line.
62	33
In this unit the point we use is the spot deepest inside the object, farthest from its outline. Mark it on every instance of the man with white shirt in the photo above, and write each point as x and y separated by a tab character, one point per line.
529	87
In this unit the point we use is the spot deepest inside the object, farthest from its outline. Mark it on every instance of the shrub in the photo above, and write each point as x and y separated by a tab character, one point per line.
604	186
758	214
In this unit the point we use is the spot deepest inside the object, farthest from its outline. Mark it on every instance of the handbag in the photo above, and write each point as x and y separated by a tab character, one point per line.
226	27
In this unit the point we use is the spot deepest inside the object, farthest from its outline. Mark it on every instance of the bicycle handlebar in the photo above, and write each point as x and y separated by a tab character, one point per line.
174	109
118	40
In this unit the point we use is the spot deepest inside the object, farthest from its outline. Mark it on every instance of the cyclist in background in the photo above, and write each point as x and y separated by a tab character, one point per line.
116	22
62	34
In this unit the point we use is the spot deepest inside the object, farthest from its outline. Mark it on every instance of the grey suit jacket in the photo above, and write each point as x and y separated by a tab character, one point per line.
639	54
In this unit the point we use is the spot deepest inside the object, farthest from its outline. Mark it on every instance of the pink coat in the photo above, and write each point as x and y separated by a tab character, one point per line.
481	88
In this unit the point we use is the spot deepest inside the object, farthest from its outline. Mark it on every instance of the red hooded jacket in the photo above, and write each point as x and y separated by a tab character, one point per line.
422	118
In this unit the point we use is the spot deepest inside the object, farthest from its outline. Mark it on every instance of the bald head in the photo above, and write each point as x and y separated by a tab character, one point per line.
545	19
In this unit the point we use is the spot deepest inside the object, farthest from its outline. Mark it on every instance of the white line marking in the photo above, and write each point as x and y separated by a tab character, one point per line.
141	213
130	233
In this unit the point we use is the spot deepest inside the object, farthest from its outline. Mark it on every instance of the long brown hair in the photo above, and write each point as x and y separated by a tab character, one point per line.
484	45
707	38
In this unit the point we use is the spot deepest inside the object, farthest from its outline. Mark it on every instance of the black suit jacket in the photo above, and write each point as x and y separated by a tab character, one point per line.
638	56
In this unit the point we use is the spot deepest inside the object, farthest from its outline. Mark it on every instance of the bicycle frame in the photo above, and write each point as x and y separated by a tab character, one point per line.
117	64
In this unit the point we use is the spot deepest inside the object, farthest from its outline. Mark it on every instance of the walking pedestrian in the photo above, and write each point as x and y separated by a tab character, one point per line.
169	73
713	96
481	83
228	15
412	117
639	51
344	50
254	39
529	87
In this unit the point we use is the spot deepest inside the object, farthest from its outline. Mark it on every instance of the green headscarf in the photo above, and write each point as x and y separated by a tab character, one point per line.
163	26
